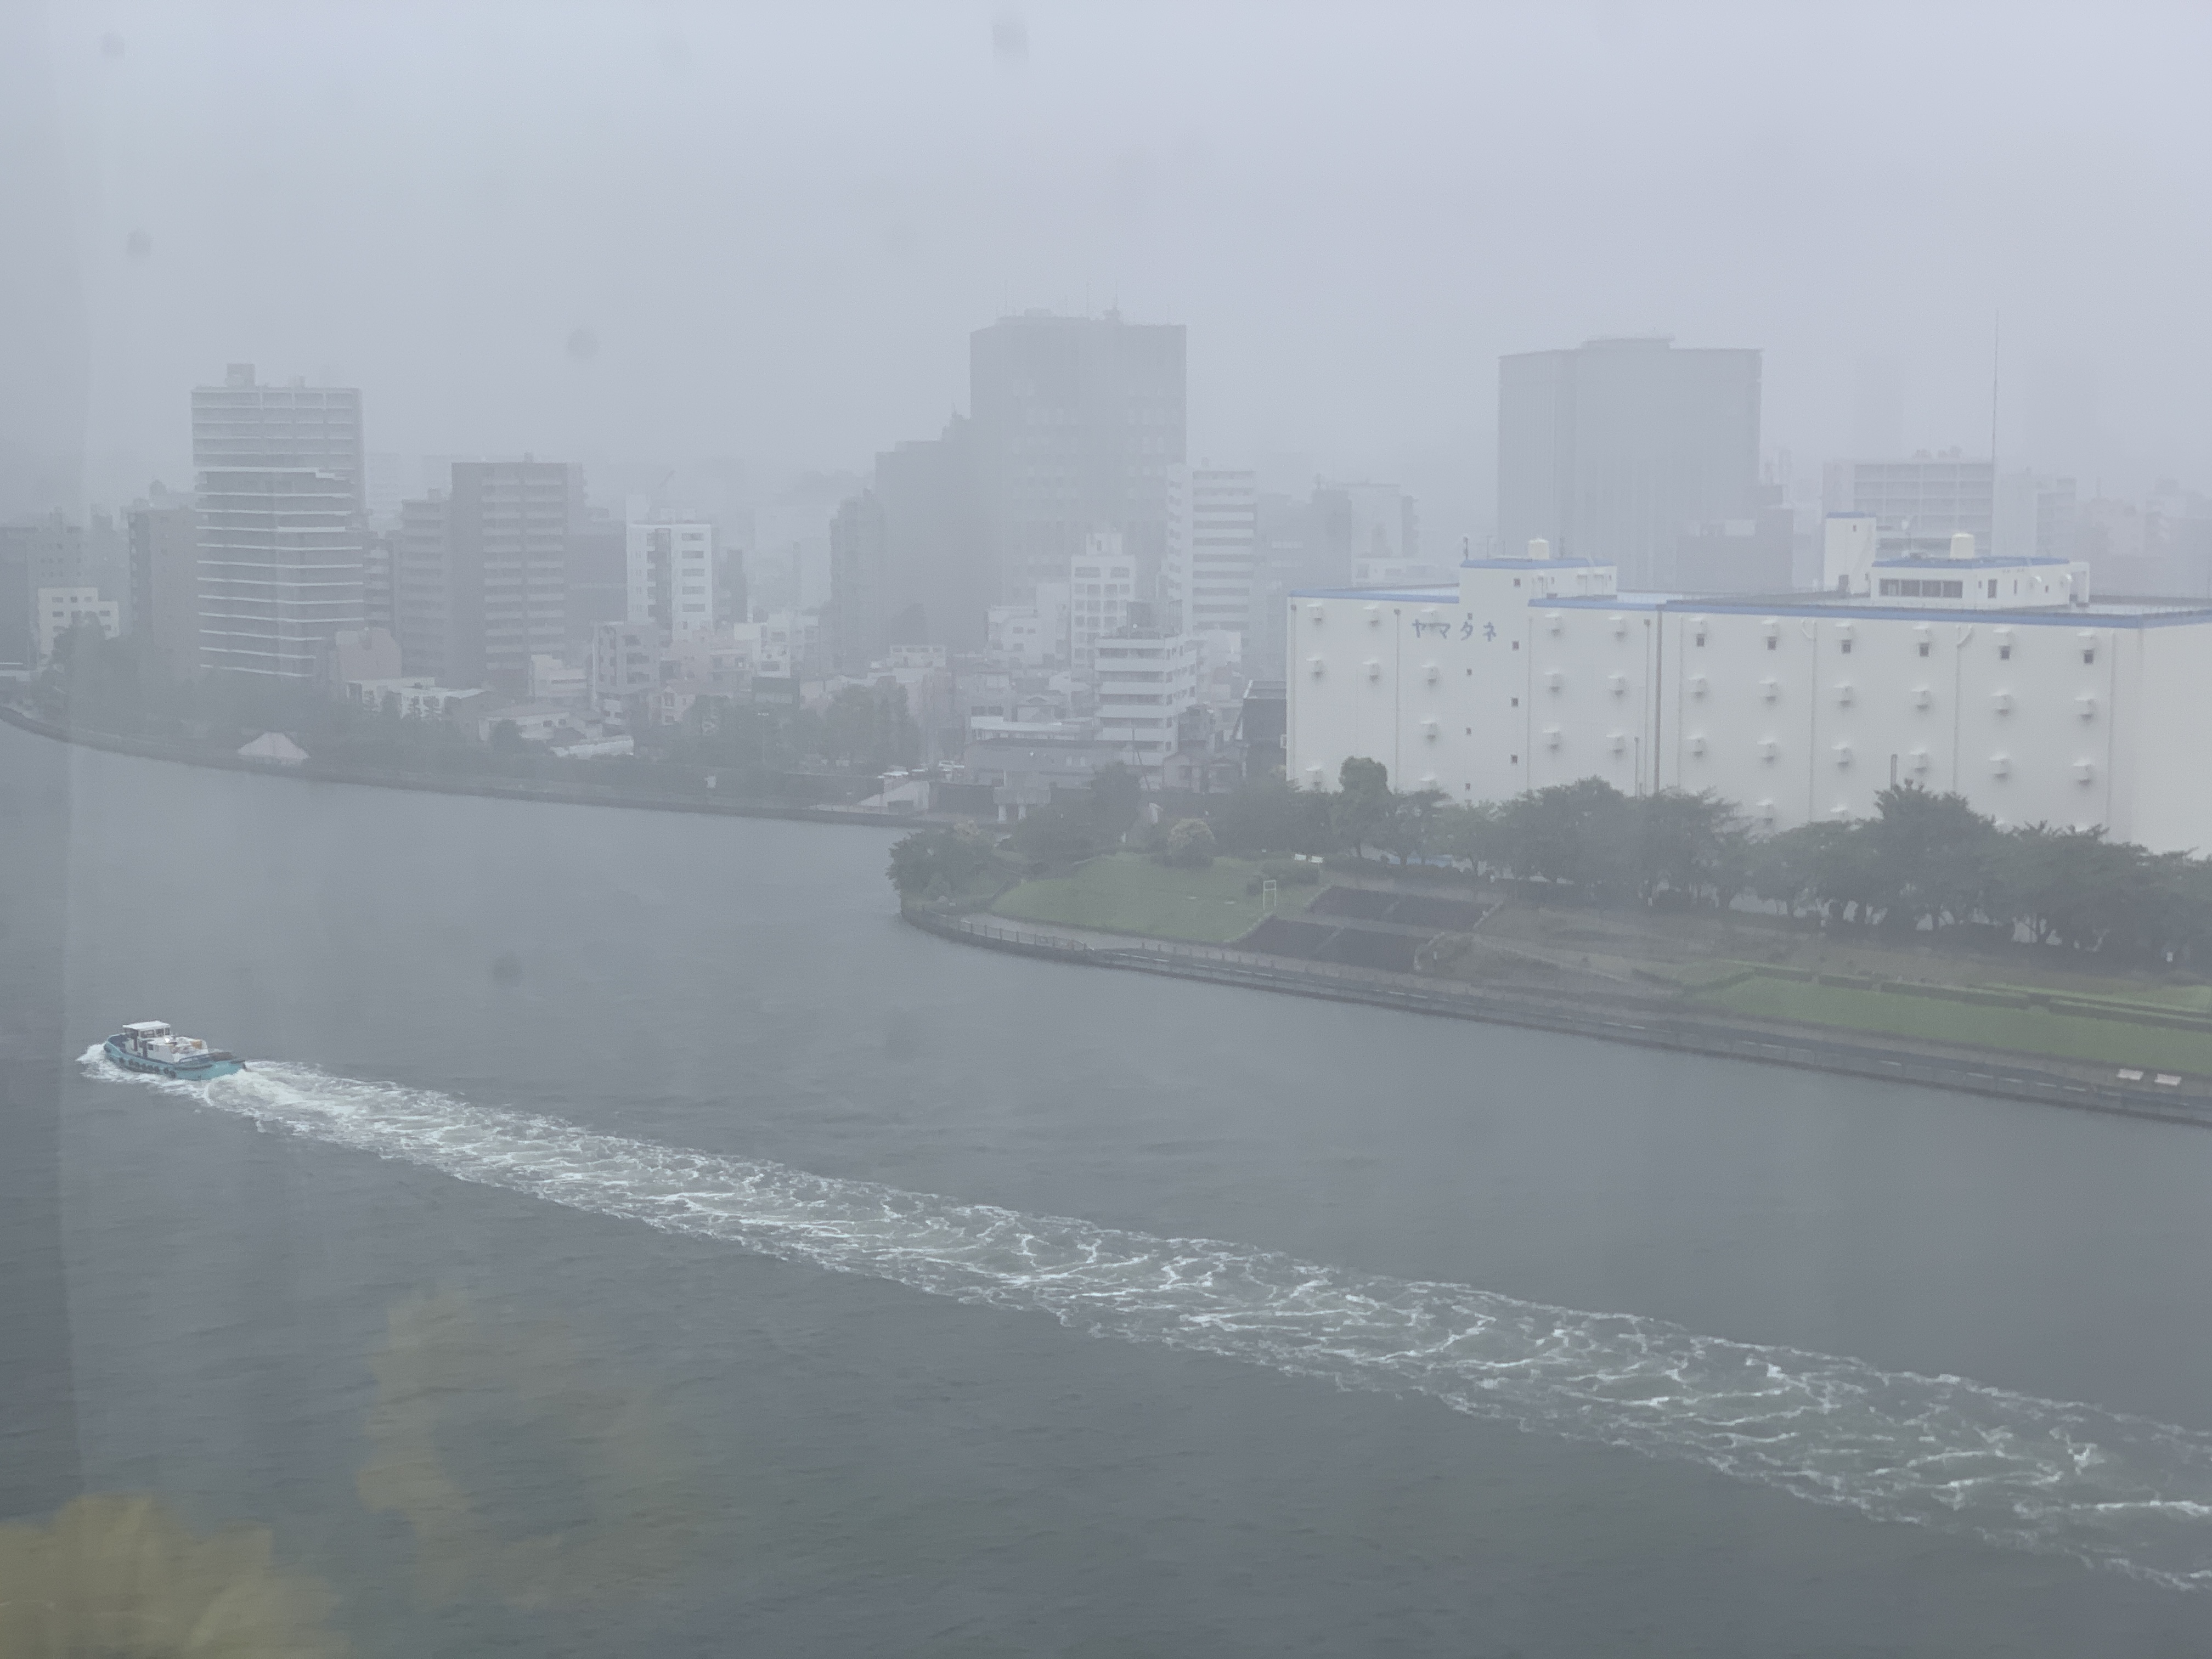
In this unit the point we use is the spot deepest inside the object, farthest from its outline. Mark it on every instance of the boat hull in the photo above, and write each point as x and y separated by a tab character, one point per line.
197	1072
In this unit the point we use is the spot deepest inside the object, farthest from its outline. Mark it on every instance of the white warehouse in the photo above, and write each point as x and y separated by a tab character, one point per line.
1997	678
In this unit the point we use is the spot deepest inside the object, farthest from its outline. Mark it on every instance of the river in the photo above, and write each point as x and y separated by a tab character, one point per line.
632	1239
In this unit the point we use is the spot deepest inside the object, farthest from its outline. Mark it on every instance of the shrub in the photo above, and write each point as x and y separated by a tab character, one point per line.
1189	844
937	864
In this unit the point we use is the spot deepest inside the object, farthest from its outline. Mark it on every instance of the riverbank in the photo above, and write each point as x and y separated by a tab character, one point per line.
565	793
1654	1021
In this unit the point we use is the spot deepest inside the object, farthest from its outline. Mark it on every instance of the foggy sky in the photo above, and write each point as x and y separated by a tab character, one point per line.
761	233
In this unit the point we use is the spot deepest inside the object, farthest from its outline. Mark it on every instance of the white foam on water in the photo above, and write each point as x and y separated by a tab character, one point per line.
2110	1489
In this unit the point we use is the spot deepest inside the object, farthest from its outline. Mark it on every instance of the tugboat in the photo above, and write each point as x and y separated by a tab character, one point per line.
151	1046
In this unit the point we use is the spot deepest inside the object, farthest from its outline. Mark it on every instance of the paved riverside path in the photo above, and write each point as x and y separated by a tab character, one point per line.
1622	1016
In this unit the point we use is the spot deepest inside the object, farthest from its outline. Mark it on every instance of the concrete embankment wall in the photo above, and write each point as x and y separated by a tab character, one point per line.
1650	1025
568	794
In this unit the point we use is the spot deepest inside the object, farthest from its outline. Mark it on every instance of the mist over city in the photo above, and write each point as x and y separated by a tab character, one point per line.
1472	732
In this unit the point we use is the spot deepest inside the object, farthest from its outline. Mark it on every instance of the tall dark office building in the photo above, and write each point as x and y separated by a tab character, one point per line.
1612	450
1077	423
910	563
422	586
483	574
165	592
598	580
854	627
281	521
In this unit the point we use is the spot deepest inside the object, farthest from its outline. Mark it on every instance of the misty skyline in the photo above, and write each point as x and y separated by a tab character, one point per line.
684	233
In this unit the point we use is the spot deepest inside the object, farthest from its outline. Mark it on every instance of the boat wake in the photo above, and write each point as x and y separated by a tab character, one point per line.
2111	1490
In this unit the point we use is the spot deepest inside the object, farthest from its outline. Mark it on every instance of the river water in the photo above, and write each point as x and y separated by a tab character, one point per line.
631	1239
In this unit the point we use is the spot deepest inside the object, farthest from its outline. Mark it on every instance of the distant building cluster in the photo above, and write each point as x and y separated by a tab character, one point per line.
1949	636
1053	586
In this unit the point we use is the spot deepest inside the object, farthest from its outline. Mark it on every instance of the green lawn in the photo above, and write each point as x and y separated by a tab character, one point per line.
2025	1031
1128	893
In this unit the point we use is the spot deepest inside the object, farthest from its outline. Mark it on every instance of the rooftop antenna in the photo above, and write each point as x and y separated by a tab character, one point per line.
1997	342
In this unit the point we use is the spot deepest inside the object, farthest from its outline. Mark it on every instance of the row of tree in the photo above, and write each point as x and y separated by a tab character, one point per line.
114	686
1923	863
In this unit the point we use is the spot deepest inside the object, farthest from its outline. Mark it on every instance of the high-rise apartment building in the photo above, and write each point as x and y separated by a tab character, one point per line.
280	522
1078	422
1611	451
508	527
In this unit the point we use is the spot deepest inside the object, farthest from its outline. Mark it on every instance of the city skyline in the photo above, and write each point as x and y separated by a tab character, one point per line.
1311	361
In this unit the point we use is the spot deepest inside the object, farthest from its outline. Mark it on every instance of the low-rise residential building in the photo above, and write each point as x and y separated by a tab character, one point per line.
533	722
412	698
1147	681
362	655
983	694
57	609
1022	634
719	659
625	665
1025	770
672	699
552	680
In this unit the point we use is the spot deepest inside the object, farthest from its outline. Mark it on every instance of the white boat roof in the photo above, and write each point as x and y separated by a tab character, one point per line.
148	1026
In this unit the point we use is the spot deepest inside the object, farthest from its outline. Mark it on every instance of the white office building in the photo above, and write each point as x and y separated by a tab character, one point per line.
1206	583
1102	583
1998	678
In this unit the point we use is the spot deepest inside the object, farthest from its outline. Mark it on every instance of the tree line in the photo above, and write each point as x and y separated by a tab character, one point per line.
1923	864
116	685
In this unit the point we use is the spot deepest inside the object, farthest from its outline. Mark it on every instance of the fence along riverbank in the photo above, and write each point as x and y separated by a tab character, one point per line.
1647	1024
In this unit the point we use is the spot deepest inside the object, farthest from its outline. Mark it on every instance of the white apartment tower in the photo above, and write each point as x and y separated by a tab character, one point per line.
280	522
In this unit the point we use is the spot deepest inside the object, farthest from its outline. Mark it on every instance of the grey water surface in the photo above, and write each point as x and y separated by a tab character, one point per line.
639	1242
